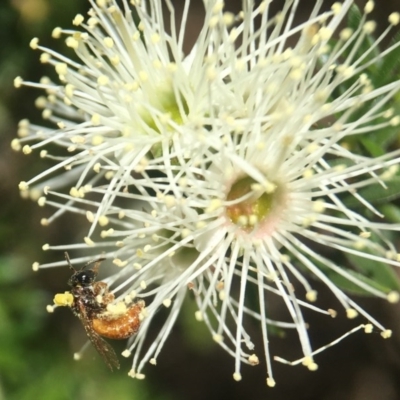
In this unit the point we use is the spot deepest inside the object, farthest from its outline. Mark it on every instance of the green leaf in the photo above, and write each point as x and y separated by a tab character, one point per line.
381	278
391	212
376	194
354	17
377	274
366	48
374	148
386	136
389	67
350	287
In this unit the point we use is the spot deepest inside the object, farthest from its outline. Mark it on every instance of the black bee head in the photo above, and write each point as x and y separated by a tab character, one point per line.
82	278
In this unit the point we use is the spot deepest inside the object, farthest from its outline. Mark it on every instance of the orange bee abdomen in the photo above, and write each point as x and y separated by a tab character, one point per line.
122	326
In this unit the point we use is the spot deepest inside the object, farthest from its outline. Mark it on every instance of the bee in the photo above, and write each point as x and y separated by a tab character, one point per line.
88	301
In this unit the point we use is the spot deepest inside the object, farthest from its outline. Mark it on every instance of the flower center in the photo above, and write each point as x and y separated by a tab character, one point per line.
170	109
256	204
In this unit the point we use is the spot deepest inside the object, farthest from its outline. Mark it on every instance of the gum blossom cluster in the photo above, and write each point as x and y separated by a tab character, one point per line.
221	172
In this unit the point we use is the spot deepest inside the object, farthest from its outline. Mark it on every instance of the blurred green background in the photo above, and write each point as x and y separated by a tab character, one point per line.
36	348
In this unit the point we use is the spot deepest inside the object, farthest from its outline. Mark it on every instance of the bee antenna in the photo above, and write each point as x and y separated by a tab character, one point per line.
69	262
96	263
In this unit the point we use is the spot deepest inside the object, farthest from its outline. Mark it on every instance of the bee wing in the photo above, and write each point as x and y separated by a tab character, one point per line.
103	348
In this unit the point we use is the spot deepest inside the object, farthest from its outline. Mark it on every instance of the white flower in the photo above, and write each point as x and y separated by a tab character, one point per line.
224	167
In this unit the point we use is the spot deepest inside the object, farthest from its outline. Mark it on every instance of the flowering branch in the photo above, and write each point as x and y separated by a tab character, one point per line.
223	172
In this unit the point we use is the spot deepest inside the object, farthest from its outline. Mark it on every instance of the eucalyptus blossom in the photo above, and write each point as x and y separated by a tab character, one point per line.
222	172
